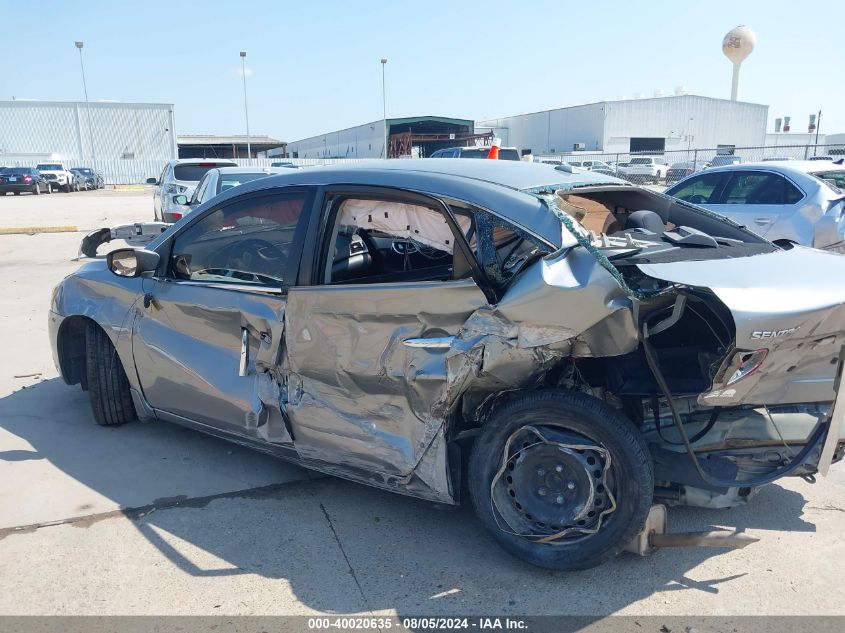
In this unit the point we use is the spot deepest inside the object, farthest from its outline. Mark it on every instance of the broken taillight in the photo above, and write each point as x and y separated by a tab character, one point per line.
749	362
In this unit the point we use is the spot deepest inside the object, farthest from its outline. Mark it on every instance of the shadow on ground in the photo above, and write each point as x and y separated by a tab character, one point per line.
393	552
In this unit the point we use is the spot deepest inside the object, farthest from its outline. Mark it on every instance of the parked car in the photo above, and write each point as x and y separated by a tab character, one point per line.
95	179
788	201
20	179
642	169
62	178
679	171
82	182
285	164
505	153
777	158
593	165
399	323
826	157
720	160
179	176
216	181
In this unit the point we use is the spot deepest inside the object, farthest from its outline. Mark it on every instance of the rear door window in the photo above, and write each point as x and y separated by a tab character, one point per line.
754	188
382	240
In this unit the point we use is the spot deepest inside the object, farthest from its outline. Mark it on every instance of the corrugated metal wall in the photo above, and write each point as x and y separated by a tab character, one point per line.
609	125
710	122
121	131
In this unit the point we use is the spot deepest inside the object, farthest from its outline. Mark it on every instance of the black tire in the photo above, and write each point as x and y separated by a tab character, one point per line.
37	190
66	188
49	188
108	388
574	413
17	193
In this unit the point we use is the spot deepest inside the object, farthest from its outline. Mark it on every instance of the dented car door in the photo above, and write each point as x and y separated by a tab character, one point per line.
207	339
366	347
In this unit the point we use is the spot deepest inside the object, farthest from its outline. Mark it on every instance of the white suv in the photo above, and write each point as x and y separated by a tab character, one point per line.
641	169
180	177
58	176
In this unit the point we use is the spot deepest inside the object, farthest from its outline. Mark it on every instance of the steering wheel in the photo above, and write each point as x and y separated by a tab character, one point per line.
695	199
254	259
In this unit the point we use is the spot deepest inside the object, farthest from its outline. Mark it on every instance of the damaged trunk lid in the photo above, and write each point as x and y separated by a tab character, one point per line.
789	319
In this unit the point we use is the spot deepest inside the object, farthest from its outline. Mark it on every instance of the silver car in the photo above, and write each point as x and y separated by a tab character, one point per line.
798	201
429	326
220	179
179	177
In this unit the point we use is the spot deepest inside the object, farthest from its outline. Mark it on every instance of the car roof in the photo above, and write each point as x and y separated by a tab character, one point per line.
786	167
251	170
201	161
496	185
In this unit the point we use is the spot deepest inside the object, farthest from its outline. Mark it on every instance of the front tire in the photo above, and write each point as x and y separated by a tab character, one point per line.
37	190
108	387
576	473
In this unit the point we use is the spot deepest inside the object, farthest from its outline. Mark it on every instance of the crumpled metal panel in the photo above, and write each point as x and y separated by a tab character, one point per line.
381	408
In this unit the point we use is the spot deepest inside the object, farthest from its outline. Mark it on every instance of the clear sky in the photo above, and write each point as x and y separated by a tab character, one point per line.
313	66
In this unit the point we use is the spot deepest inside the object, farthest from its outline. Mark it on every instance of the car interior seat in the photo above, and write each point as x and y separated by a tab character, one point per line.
645	220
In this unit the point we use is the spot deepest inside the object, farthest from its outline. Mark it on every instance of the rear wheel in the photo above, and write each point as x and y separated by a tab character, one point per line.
66	187
560	479
17	193
37	190
108	387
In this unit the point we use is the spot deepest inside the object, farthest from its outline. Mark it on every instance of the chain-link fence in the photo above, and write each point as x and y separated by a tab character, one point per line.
136	171
669	167
642	168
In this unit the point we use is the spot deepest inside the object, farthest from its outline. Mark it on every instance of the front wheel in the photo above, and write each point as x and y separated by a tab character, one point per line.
560	479
108	387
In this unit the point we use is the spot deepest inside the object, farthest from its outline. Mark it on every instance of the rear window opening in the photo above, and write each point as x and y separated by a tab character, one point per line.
194	173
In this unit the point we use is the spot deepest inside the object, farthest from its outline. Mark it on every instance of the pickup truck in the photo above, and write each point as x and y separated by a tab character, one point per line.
643	169
58	176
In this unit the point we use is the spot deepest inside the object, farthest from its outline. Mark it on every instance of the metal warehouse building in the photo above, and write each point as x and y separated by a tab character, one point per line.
635	125
121	137
425	133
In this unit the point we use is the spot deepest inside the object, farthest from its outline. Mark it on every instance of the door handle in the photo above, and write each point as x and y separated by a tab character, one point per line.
436	342
762	221
243	366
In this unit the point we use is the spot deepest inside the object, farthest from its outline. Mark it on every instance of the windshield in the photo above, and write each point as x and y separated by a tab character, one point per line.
227	181
833	177
49	167
194	173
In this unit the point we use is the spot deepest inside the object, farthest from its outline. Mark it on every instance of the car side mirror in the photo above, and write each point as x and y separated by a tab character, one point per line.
180	199
152	181
132	262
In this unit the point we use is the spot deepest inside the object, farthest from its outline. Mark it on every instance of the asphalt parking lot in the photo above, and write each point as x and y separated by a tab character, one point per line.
152	518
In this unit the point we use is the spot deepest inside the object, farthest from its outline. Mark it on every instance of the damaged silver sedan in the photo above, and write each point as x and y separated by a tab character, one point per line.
565	347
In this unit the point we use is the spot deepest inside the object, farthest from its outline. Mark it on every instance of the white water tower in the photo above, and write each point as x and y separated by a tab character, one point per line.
737	45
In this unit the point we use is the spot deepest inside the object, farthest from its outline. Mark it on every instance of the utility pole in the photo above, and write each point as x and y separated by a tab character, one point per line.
384	104
79	46
246	107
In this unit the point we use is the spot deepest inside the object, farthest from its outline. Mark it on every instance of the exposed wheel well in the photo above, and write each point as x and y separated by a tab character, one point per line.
71	346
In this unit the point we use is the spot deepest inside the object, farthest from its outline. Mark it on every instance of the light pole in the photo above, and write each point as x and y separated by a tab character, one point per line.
818	125
246	107
689	140
384	104
79	46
